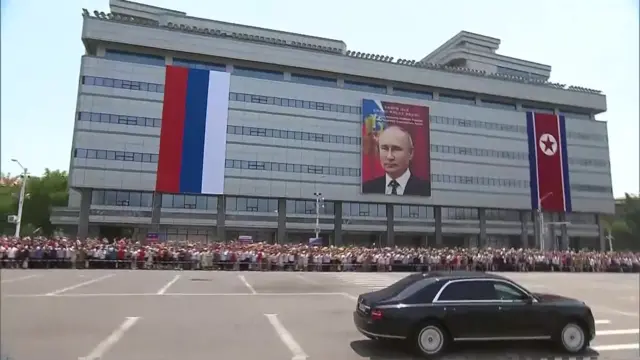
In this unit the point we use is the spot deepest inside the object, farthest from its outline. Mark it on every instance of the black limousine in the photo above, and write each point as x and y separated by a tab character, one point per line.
433	310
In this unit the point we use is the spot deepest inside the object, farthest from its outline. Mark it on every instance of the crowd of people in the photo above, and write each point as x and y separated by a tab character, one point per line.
45	253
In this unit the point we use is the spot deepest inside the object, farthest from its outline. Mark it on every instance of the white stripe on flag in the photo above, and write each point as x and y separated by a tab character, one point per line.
215	136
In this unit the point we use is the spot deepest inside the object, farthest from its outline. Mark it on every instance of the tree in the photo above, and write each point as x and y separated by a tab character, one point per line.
43	193
625	224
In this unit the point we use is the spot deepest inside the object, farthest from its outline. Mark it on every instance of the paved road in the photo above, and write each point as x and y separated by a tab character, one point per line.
158	315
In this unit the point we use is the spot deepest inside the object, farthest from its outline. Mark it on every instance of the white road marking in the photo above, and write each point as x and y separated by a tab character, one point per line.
617	332
349	296
246	283
168	285
168	294
287	338
6	281
602	322
60	291
107	343
306	279
615	311
616	347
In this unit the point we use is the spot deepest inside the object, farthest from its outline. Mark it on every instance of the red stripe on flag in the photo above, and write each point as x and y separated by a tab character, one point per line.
172	130
549	162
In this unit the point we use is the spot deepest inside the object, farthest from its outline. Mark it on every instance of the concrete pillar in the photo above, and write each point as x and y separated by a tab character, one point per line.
602	240
564	234
337	223
221	232
85	210
482	239
390	231
156	211
282	221
525	216
437	212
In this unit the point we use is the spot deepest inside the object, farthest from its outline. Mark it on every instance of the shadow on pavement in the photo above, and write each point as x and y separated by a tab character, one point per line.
378	350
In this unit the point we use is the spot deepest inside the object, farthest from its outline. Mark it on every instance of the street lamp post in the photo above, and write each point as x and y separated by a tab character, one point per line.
610	238
319	203
23	188
541	219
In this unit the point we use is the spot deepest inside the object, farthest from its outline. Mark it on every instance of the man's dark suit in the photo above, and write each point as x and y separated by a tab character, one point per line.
415	186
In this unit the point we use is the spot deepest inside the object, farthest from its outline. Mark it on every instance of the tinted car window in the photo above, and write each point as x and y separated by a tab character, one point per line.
416	287
468	290
505	291
395	288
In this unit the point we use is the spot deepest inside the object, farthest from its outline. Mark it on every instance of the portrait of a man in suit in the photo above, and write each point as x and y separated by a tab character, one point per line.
395	148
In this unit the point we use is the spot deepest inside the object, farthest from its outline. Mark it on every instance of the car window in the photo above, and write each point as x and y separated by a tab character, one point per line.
416	288
395	288
506	291
468	290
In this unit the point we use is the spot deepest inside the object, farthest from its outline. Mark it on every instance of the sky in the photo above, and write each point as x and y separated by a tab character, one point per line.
589	43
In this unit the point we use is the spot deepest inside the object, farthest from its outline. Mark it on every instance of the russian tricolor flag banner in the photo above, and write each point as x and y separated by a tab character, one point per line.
193	136
548	162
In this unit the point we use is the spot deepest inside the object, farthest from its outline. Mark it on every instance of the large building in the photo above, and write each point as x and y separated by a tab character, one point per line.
295	130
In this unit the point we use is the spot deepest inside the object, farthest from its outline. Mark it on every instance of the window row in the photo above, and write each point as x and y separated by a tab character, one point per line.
193	64
464	100
582	218
314	80
183	201
479	180
122	198
122	84
327	138
118	119
130	57
115	155
292	168
292	135
458	150
258	73
364	87
321	106
156	60
322	170
313	105
591	188
302	104
308	207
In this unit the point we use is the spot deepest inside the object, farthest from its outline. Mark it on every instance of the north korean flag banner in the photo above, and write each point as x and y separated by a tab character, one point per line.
548	162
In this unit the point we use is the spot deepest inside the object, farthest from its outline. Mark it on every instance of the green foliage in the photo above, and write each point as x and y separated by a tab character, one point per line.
625	224
43	193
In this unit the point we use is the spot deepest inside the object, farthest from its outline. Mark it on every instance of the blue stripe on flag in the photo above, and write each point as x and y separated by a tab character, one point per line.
565	165
194	127
533	161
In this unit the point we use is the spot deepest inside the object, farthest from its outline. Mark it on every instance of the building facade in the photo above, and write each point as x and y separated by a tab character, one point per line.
294	130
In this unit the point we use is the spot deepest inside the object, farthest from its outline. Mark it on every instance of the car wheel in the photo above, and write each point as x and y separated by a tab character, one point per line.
573	338
431	339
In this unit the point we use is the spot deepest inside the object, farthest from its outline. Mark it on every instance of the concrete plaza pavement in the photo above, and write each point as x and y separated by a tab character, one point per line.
158	315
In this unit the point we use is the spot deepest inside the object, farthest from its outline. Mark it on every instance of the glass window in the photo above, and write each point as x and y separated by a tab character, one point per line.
467	291
199	65
416	287
359	86
314	80
135	57
457	99
498	105
97	197
167	200
508	292
258	73
110	197
413	94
